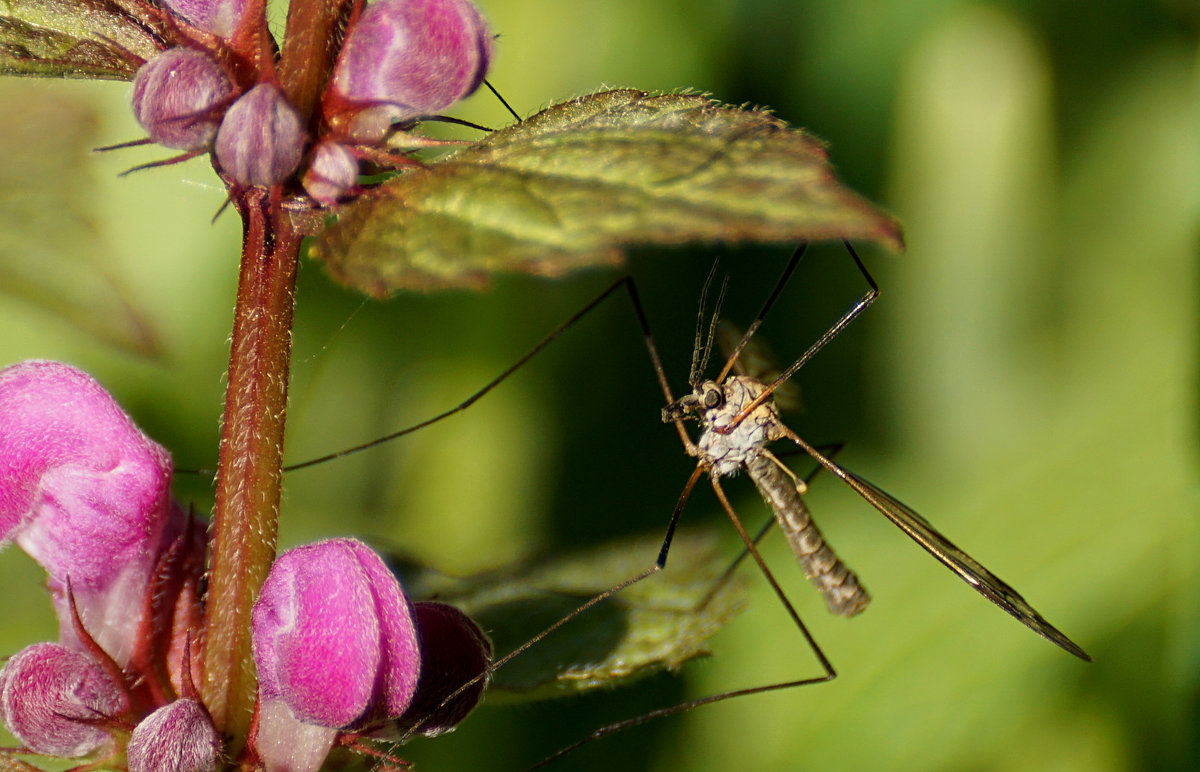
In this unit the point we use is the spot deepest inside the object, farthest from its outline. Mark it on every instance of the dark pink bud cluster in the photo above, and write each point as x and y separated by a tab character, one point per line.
178	98
399	61
261	140
340	650
404	59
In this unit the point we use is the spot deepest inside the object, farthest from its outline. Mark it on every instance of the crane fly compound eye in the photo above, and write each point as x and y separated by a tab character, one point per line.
713	397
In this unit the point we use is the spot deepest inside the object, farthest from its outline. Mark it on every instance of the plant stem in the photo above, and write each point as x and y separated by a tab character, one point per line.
249	470
310	42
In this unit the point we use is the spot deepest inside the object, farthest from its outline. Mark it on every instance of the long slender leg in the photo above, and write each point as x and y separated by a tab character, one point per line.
830	452
657	566
857	308
625	283
826	665
780	283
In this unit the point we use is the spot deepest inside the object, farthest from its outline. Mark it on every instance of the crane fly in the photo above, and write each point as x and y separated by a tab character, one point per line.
738	419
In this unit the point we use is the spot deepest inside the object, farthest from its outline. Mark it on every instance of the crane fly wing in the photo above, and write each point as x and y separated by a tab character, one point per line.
968	568
758	362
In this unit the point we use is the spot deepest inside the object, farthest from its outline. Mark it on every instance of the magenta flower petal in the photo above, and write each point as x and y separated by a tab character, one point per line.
334	637
179	737
408	58
85	494
55	700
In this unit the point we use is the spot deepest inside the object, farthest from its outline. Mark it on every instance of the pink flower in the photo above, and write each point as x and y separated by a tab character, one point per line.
335	647
86	495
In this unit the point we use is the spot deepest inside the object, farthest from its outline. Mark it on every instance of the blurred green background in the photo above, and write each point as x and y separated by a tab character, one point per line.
1027	381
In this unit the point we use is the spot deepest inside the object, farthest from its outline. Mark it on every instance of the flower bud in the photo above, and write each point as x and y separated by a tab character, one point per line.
219	17
332	171
333	636
453	652
85	494
261	139
179	737
54	700
406	58
178	97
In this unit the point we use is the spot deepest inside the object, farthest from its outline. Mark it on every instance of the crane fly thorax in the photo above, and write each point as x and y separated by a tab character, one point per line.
725	444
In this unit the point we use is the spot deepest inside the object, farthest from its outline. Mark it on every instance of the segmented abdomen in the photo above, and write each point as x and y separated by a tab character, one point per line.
838	584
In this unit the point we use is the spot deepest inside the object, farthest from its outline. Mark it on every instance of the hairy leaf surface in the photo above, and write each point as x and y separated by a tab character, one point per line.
575	184
93	39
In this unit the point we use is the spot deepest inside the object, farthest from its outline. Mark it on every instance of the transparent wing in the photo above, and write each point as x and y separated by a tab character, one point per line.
970	570
759	362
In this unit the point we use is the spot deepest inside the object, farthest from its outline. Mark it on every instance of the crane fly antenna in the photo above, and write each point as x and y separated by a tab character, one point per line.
701	345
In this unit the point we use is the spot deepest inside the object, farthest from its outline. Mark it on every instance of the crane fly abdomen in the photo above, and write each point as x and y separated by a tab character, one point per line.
843	593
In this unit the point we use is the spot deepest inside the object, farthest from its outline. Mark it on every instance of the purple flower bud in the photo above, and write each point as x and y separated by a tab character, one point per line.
178	97
406	58
261	139
179	737
86	495
332	171
453	652
56	700
333	637
219	17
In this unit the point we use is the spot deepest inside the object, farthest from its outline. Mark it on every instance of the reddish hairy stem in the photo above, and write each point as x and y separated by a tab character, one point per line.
313	37
245	522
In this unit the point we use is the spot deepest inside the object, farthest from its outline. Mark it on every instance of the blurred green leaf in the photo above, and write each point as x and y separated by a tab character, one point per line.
51	254
95	39
655	624
573	185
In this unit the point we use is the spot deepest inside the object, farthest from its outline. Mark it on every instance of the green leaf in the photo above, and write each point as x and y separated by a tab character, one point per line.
96	39
653	625
573	185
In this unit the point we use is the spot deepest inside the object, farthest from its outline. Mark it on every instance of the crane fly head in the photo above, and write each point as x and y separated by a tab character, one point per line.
705	396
